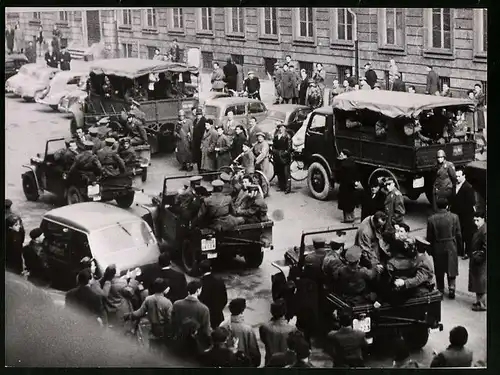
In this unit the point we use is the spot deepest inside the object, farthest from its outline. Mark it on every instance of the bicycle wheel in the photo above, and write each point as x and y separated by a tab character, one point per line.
263	182
298	171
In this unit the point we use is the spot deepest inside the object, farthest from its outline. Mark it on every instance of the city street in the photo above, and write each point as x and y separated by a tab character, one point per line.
29	125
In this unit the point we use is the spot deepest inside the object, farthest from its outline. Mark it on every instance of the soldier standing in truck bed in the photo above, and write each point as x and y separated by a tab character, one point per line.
112	163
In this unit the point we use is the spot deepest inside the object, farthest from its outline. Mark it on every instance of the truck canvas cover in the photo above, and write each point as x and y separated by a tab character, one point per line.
395	104
133	68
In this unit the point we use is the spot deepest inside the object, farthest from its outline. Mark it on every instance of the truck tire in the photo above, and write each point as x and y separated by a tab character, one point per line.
254	258
73	125
73	196
189	258
318	181
416	337
413	195
29	187
125	201
144	175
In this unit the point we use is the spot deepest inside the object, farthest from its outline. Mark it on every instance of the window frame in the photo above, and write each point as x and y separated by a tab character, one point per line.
261	13
228	13
432	52
37	16
382	32
260	105
478	29
199	22
204	62
312	129
121	19
145	25
297	38
125	49
171	24
64	19
334	37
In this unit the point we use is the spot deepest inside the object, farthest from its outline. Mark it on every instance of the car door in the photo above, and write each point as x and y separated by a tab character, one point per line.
296	119
315	141
257	110
57	240
50	172
79	248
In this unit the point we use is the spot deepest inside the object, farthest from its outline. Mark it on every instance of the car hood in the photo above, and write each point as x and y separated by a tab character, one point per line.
128	258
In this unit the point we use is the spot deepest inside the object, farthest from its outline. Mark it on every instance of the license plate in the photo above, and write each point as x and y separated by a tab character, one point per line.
418	183
369	340
458	150
208	244
93	190
211	255
364	325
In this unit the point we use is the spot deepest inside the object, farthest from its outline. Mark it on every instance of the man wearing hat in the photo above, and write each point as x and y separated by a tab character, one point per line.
261	152
315	259
184	134
66	156
230	71
352	279
215	210
334	260
282	152
127	153
374	200
94	138
251	85
189	202
207	147
370	75
135	130
394	203
86	161
198	132
446	179
112	163
35	260
241	332
369	237
65	58
277	76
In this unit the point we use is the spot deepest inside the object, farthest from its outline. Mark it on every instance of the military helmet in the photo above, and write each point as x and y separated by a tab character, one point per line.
441	153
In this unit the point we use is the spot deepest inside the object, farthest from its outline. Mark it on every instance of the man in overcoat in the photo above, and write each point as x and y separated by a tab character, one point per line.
446	178
282	152
432	81
213	294
198	131
223	148
445	237
348	180
217	78
65	58
394	203
288	82
277	75
477	263
51	57
261	151
231	73
207	147
184	135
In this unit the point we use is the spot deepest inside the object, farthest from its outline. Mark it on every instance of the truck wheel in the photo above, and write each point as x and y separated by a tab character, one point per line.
416	337
73	196
263	182
318	181
125	201
29	187
144	175
413	194
254	258
190	260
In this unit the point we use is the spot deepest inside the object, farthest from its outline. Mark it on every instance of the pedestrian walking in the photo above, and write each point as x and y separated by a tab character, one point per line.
303	86
393	71
198	132
374	200
398	84
347	344
18	39
274	334
175	281
349	185
51	58
252	85
184	136
213	294
477	263
288	82
456	354
261	151
432	85
462	204
65	58
231	74
39	41
9	37
394	203
241	332
14	244
35	259
402	358
277	76
370	75
446	179
282	157
480	99
30	52
445	237
208	144
222	148
217	78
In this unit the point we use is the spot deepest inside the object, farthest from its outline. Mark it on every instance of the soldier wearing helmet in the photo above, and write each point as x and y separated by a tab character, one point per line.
446	178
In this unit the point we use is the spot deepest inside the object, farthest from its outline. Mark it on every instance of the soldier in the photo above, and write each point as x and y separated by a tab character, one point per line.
67	155
189	202
86	161
252	207
184	135
446	179
127	153
80	138
94	138
111	162
261	152
315	259
222	148
394	204
138	135
445	237
215	210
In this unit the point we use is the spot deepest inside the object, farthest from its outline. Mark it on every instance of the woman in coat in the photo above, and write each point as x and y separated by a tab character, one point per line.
239	140
184	135
477	262
14	244
348	179
303	86
9	36
261	151
223	148
18	39
208	142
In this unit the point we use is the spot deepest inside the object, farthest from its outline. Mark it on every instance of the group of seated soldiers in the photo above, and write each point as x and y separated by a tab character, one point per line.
227	206
400	269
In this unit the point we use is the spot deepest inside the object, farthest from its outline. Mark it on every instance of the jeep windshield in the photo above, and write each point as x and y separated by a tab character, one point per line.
122	236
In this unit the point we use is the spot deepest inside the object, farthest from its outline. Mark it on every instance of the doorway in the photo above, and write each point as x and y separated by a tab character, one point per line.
269	65
93	27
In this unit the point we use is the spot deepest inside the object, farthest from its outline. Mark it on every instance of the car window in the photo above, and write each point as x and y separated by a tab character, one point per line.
318	123
237	109
57	237
55	145
79	247
212	111
301	115
256	107
276	115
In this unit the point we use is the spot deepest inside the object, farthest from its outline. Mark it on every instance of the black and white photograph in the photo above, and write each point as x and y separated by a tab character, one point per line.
246	187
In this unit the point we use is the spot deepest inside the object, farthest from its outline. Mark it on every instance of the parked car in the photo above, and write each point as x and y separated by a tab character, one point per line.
37	82
13	63
26	72
242	108
104	232
74	98
63	83
292	115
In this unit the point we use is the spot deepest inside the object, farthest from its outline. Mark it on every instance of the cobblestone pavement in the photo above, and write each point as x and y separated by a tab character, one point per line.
29	125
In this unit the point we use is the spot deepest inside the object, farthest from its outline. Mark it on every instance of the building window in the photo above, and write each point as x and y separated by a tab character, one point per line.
127	49
37	16
442	80
308	66
269	17
208	59
391	22
441	28
150	20
151	52
344	24
235	21
341	73
386	77
63	16
480	32
305	21
238	59
205	20
126	17
177	18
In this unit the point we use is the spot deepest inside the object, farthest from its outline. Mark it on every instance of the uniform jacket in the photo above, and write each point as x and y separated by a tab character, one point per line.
137	134
247	339
432	83
224	151
261	151
128	156
237	145
184	135
348	345
251	85
65	60
86	161
252	209
477	271
214	296
445	237
198	131
463	204
288	82
175	280
52	60
207	147
371	77
394	207
83	298
398	85
217	79
446	179
215	212
352	281
315	259
252	134
424	273
348	175
66	157
112	163
282	149
190	307
274	335
98	143
231	74
372	203
453	357
374	248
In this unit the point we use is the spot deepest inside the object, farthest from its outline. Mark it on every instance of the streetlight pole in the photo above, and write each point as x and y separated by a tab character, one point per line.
356	43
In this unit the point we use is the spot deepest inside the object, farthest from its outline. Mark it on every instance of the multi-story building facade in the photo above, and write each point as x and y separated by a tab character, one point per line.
453	41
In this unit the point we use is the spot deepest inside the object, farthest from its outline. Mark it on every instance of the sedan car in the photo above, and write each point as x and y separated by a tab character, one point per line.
101	231
242	108
13	63
25	72
62	84
76	96
292	115
36	83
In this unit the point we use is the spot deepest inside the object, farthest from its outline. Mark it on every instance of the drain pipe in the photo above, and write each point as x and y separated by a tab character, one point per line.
356	43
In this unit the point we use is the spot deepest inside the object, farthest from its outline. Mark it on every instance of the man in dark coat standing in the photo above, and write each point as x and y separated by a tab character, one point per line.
174	280
9	35
432	81
477	263
51	57
398	84
282	152
455	355
394	203
288	84
348	180
175	51
35	260
213	294
83	298
198	131
445	237
370	75
374	200
231	74
30	53
347	344
65	58
463	204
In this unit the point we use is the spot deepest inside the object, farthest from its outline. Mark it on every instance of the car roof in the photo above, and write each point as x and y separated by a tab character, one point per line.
230	101
133	67
90	216
286	107
324	111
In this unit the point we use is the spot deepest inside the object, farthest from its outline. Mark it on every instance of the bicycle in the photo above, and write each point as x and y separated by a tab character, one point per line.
298	170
